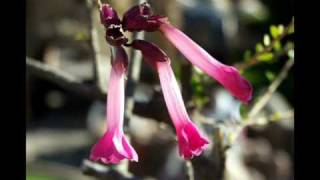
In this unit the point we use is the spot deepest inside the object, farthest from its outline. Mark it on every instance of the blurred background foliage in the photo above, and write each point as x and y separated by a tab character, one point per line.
256	36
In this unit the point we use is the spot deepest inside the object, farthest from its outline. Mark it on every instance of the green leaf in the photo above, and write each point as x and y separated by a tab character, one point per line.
270	75
291	29
266	57
244	110
274	31
259	47
276	116
247	55
266	40
280	29
81	36
277	46
197	70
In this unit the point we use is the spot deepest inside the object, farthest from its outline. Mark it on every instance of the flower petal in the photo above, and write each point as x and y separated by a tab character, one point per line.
109	16
114	36
140	18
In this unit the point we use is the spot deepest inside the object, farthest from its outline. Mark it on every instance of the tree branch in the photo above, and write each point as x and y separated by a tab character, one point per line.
63	79
254	59
103	172
271	89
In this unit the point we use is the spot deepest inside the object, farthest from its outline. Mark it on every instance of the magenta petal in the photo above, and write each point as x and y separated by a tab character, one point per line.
140	18
191	142
228	76
113	146
151	52
109	16
114	36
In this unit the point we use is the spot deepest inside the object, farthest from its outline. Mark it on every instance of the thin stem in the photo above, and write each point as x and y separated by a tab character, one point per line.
99	3
254	59
190	171
271	89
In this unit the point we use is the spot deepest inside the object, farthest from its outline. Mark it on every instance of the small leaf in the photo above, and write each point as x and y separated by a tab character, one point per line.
265	57
81	36
276	116
291	29
244	111
247	55
277	46
280	29
197	70
274	31
259	47
270	75
266	40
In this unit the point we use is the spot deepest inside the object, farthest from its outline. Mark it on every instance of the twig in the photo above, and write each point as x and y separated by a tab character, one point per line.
103	172
190	171
132	80
99	3
62	79
133	76
271	89
100	67
254	59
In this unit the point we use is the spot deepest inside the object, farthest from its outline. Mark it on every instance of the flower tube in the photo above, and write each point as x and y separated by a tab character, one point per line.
191	142
113	146
228	76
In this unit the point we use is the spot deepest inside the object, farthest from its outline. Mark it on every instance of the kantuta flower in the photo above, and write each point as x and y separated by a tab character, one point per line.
191	142
113	146
228	76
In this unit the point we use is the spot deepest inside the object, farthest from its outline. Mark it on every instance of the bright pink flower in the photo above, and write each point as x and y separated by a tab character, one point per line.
191	142
113	146
228	76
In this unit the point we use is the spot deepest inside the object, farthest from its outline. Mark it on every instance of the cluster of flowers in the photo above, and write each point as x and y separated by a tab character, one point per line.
113	146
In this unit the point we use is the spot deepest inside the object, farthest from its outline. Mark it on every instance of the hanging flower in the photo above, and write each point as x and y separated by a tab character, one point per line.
113	146
226	75
191	142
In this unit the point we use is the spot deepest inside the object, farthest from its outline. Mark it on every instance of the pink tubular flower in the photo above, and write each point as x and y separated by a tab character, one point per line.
228	76
191	142
140	17
113	146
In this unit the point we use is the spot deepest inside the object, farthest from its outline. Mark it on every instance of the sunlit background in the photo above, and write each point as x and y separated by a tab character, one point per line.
65	120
